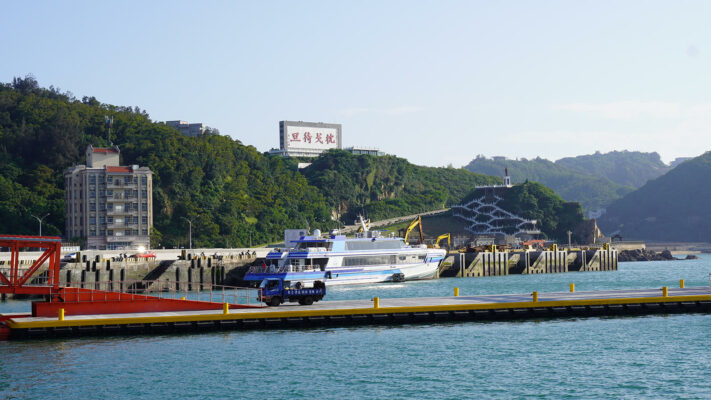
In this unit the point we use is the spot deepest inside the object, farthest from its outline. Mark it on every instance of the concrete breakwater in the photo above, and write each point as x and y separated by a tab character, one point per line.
185	274
497	263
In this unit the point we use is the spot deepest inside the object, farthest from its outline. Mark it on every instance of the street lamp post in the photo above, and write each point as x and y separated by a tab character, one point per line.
40	221
190	230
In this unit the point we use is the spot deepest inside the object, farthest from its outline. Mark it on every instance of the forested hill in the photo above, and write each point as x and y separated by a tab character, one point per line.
592	192
555	216
673	207
626	168
229	190
387	186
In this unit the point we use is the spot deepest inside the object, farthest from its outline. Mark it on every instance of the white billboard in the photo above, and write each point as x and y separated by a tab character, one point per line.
311	137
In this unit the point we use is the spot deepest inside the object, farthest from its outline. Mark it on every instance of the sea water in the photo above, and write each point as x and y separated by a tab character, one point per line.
660	356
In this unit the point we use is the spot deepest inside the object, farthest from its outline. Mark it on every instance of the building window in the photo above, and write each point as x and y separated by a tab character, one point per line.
92	179
102	233
92	220
144	180
110	206
128	206
102	220
92	232
102	206
135	193
135	179
144	232
109	193
92	206
144	220
144	207
102	193
127	180
110	232
128	232
110	219
92	193
144	193
135	219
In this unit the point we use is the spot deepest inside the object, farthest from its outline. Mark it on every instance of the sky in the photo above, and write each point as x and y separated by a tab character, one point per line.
436	82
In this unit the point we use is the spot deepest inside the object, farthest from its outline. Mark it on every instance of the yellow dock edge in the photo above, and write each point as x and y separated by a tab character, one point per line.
347	311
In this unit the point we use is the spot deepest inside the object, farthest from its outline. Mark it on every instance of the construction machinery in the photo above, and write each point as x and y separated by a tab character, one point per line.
441	237
417	222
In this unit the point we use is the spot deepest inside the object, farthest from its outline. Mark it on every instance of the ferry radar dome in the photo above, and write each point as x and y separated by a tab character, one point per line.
317	232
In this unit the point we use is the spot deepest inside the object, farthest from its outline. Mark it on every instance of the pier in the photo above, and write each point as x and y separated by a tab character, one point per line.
502	307
509	262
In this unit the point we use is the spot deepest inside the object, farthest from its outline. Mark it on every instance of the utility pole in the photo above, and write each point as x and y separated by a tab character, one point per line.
40	221
569	233
190	234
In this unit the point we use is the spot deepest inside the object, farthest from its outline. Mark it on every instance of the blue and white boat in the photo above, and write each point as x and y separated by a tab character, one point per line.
339	260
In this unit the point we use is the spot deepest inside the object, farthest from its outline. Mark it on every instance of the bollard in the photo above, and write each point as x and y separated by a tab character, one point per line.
665	291
572	288
535	297
376	302
456	292
225	308
681	283
60	314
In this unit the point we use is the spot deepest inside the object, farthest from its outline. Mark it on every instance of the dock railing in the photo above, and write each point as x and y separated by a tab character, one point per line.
101	290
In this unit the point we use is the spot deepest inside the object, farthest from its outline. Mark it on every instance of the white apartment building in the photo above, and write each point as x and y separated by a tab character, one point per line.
109	205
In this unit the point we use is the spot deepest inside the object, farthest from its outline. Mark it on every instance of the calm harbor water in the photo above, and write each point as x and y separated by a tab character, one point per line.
665	356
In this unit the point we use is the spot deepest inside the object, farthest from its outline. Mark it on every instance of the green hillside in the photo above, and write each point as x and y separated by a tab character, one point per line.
555	216
387	186
673	207
592	192
228	189
626	168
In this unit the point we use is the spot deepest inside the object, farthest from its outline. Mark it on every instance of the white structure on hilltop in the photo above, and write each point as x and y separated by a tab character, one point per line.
188	129
109	205
309	139
485	217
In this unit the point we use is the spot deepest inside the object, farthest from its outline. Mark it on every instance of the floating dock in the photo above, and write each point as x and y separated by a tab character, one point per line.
370	312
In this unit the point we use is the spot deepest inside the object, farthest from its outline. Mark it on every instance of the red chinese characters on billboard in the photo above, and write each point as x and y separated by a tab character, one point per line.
317	138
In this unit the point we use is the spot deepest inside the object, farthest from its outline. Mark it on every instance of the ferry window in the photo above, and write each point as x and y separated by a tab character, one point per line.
367	260
308	245
373	244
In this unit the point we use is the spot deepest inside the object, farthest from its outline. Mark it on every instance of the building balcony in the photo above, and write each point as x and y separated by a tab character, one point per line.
121	185
117	212
127	238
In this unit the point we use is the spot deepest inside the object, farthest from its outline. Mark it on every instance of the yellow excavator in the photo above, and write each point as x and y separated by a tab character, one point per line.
416	222
444	236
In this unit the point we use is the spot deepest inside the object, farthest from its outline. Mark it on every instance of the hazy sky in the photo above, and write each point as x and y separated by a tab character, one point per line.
436	82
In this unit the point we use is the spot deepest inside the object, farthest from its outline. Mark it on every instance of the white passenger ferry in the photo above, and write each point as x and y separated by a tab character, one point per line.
338	260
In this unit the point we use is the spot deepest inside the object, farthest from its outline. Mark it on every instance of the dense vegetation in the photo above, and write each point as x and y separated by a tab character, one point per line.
673	207
593	192
387	186
626	168
555	216
229	190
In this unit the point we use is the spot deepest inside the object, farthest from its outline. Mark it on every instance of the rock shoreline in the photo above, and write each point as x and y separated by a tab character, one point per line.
648	255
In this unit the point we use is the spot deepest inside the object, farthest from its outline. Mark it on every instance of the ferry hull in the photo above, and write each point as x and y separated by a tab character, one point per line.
345	276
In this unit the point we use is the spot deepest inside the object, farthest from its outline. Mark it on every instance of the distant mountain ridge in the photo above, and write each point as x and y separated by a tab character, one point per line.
673	207
594	180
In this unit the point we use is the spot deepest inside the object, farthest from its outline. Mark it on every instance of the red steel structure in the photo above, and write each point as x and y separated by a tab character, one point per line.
14	281
77	301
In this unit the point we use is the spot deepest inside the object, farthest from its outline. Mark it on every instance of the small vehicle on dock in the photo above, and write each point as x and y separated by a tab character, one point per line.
276	291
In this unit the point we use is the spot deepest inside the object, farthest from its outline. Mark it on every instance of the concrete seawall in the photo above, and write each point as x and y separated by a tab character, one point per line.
499	263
